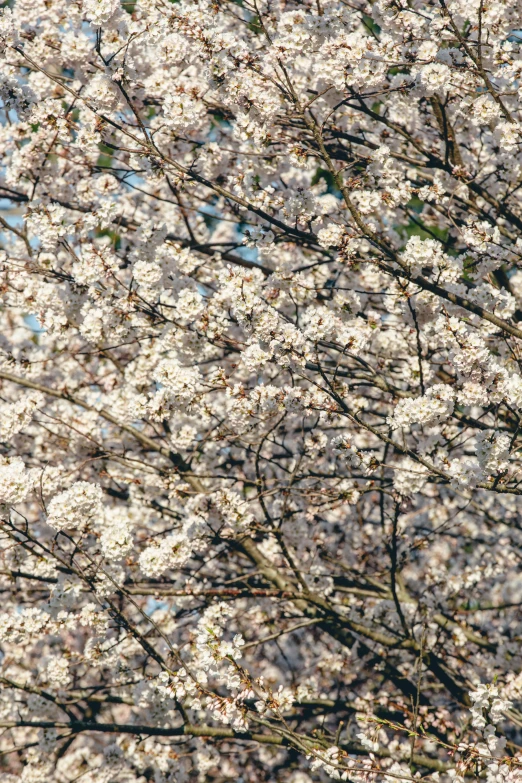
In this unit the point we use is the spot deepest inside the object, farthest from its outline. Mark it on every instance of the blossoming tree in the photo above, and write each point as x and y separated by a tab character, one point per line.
260	390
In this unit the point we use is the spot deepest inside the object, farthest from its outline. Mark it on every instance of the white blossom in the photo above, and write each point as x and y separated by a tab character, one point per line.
74	507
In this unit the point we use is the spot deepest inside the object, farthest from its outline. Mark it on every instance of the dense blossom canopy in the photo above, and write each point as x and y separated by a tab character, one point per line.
260	391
